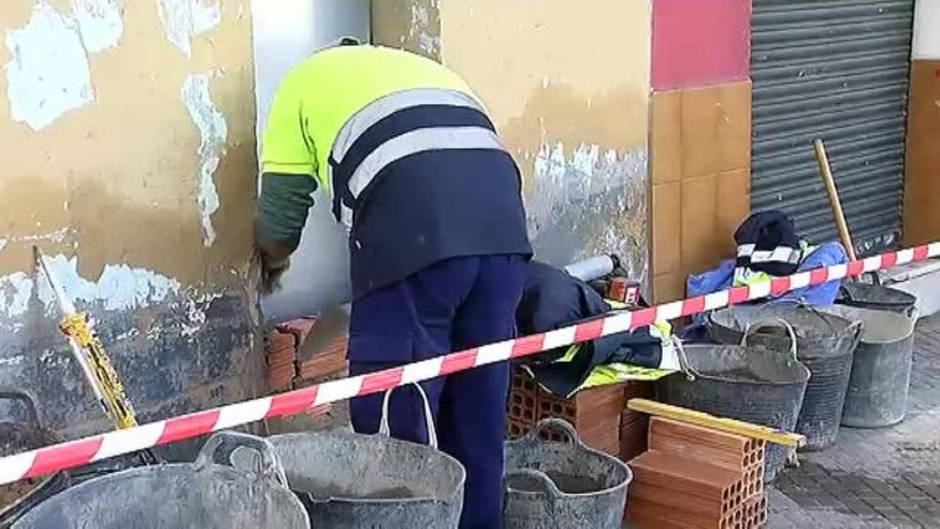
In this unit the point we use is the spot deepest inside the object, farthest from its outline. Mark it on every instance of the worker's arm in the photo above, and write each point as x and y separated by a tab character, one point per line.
282	212
289	177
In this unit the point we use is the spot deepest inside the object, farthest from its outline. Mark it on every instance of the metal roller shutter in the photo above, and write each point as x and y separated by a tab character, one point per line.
837	70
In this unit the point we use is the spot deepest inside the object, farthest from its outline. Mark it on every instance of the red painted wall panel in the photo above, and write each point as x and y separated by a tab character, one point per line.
700	42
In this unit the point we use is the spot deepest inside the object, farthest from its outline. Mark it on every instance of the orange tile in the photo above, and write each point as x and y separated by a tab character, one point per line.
665	229
924	113
716	129
668	287
701	247
734	206
922	180
665	136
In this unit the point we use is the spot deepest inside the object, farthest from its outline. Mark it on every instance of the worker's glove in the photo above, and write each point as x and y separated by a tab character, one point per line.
271	273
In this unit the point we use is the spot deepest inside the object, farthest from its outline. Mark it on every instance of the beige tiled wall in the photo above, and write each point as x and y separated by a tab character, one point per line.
922	182
700	163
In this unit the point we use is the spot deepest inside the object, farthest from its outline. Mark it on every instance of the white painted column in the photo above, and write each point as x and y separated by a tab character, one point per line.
285	33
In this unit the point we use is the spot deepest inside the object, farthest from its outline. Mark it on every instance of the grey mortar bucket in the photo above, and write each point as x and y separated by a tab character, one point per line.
876	297
205	494
825	344
748	383
562	485
881	369
354	481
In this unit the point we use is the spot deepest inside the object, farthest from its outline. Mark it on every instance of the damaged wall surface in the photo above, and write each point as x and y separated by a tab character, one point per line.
569	95
129	133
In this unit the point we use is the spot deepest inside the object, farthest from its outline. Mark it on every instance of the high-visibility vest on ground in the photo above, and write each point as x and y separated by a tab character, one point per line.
413	164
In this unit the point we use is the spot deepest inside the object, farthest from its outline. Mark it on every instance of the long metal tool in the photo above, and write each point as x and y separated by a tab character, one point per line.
90	354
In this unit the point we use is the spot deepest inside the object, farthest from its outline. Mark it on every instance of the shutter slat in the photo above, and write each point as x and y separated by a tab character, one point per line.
836	70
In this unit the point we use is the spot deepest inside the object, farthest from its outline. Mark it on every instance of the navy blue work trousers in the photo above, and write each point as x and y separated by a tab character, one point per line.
453	305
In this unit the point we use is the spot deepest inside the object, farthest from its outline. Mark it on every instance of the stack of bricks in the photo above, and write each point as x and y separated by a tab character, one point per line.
523	407
696	478
634	425
324	363
281	356
596	413
292	363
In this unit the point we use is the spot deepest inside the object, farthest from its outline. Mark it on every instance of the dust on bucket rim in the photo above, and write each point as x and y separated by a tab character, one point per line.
606	490
877	324
156	473
739	317
532	441
800	372
340	435
819	334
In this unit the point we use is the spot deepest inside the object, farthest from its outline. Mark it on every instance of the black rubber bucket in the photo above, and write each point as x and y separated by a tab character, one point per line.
881	369
825	344
354	481
20	436
754	384
208	494
876	297
562	485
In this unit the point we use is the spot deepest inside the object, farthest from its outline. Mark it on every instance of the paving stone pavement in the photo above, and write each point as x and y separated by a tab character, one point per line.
879	479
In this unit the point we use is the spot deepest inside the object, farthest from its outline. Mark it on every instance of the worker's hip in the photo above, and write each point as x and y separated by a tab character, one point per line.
450	305
431	207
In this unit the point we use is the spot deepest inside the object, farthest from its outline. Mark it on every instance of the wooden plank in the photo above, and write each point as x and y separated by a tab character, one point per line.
745	429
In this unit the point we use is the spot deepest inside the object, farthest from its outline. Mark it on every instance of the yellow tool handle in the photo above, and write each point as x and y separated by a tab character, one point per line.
76	327
698	418
826	173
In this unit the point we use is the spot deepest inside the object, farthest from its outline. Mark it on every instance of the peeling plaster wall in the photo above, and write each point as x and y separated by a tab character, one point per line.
568	90
129	133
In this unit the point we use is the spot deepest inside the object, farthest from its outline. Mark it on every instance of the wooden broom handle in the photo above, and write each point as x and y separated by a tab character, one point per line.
826	172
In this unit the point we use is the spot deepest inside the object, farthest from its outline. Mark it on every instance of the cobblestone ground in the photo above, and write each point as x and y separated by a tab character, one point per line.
886	478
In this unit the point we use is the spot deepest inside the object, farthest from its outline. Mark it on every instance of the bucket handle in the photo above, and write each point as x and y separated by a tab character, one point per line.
384	428
558	424
544	483
28	400
690	372
763	324
220	448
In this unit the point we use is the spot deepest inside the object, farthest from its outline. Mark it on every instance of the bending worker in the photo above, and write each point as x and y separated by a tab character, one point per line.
438	243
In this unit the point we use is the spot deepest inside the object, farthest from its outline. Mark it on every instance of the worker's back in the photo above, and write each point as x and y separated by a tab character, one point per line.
336	83
412	161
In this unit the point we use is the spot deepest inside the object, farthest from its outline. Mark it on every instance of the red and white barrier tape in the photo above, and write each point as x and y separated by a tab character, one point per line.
90	449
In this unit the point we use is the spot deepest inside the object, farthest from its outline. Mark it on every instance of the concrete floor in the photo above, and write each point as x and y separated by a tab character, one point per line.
878	479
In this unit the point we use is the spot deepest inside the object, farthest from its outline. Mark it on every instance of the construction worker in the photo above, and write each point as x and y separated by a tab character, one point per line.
438	242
